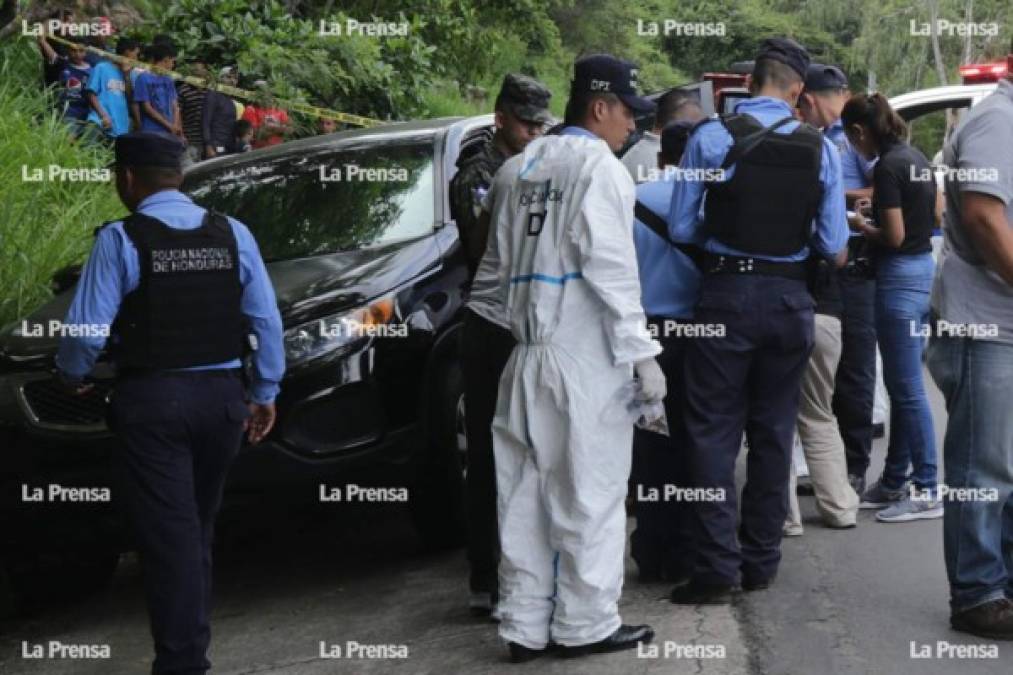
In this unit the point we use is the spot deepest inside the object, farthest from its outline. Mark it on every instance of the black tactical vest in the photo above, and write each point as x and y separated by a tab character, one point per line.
768	205
186	309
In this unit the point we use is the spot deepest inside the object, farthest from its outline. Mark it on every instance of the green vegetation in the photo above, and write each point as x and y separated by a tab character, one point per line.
450	62
43	225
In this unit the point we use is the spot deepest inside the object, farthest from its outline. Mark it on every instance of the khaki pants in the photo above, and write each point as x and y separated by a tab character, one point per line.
836	502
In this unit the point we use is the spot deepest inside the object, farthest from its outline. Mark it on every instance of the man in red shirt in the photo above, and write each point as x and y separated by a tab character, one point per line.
270	124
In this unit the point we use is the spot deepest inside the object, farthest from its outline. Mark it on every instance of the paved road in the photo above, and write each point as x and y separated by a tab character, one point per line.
849	602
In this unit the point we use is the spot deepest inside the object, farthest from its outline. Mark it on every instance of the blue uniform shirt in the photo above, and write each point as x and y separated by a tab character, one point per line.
113	270
669	281
856	171
707	148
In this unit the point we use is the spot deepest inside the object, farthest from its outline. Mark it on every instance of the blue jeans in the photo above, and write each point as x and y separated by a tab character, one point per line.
976	377
903	285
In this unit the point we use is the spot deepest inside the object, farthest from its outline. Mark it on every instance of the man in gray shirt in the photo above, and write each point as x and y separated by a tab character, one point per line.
641	160
971	359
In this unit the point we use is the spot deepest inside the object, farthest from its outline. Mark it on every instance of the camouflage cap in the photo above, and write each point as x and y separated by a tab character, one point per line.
525	98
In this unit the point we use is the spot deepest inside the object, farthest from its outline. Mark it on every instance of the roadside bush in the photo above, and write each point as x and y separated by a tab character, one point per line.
43	225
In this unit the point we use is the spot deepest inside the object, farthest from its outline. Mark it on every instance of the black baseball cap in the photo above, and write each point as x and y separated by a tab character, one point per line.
605	74
525	98
819	77
146	148
788	52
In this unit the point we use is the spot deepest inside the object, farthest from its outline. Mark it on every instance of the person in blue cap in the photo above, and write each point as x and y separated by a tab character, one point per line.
821	102
661	545
562	214
826	92
779	196
178	289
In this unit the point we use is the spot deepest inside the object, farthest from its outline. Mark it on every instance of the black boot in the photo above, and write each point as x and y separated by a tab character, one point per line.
624	637
522	654
702	594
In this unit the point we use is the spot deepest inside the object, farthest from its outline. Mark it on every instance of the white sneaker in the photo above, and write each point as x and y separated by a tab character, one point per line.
909	509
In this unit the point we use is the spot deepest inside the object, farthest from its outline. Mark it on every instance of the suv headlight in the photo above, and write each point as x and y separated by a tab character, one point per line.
315	338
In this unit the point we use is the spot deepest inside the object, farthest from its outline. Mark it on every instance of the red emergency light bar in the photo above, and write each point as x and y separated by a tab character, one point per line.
983	72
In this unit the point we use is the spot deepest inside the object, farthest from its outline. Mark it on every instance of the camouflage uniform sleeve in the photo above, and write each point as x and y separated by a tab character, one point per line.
466	192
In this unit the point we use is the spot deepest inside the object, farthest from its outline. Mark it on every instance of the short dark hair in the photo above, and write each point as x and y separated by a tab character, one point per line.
670	104
773	72
159	51
580	103
125	44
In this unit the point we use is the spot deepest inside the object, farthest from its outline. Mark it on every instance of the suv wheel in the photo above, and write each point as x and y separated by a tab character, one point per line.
437	496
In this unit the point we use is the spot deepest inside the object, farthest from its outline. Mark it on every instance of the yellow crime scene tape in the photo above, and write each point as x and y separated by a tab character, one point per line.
294	106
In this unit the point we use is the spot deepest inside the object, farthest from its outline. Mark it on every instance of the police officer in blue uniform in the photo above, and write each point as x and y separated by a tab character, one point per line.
855	384
181	288
670	285
780	196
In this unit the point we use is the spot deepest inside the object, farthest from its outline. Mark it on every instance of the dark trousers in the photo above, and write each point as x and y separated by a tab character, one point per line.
747	380
662	541
179	433
855	385
485	352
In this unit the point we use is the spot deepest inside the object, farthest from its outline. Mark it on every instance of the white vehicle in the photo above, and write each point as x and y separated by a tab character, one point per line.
925	110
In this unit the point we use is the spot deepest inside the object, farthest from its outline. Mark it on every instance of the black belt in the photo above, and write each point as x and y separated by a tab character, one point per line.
133	373
859	264
730	264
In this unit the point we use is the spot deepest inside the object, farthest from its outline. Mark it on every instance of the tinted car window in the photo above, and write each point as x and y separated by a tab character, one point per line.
326	201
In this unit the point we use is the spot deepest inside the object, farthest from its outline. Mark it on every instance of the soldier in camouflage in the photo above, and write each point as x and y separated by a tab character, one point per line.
521	116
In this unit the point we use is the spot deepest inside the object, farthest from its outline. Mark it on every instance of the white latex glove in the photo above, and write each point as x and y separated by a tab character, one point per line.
652	381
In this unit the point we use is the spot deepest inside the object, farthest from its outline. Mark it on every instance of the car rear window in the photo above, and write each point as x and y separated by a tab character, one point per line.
326	201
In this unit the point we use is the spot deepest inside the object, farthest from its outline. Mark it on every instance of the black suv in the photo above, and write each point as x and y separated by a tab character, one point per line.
356	230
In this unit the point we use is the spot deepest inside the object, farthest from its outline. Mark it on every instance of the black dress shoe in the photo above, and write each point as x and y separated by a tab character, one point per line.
521	654
992	620
624	637
655	575
702	594
757	584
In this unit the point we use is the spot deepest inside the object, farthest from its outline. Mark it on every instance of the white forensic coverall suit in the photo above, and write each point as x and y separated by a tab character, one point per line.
562	216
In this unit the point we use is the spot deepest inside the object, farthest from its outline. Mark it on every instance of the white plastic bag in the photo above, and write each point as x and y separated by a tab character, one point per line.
627	406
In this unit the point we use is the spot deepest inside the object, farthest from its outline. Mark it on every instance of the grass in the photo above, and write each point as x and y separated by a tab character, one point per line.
47	225
43	225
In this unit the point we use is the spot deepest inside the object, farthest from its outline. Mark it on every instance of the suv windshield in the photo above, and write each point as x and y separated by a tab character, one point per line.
327	200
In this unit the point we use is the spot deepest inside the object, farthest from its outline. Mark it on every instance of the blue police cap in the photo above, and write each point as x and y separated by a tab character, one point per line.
788	52
820	76
605	74
146	148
